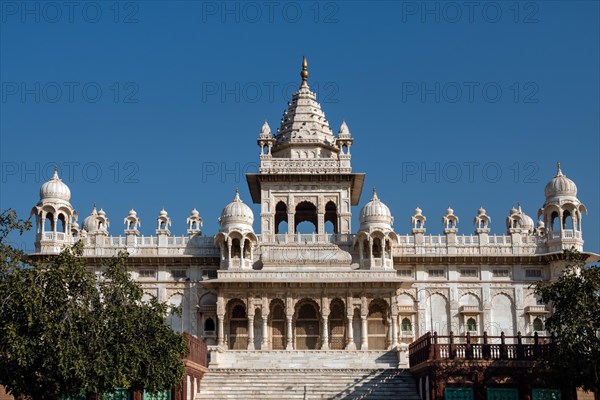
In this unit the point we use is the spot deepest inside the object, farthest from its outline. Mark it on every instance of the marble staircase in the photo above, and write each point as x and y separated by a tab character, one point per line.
306	375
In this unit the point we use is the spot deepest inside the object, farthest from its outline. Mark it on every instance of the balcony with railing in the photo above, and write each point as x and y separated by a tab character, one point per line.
431	348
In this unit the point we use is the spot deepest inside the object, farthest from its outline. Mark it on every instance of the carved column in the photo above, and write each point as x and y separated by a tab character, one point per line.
220	320
394	327
220	335
350	345
290	223
325	336
364	341
288	334
289	313
251	331
264	344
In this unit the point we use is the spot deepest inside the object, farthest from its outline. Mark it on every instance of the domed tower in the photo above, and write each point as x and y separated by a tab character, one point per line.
482	225
562	213
417	221
95	227
132	223
194	223
54	216
375	237
305	182
236	237
519	225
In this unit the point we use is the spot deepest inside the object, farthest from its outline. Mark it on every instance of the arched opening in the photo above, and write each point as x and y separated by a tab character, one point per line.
366	249
258	333
305	219
209	325
471	325
337	325
162	224
281	218
406	325
277	326
567	220
538	325
131	225
62	224
247	249
49	222
307	327
236	251
377	326
553	224
238	328
331	217
376	247
194	225
356	328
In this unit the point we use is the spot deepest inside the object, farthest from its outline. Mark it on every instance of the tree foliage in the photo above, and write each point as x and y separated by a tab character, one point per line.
575	320
66	330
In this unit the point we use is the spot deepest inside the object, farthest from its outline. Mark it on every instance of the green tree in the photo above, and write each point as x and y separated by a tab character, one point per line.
575	320
66	331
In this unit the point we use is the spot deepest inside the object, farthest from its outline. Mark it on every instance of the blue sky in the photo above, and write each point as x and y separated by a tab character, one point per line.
157	104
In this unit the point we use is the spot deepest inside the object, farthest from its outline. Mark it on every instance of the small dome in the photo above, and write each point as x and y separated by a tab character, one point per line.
541	224
102	213
265	131
481	211
375	212
418	211
195	213
89	223
163	213
449	211
236	214
75	225
513	210
132	213
527	220
55	189
560	185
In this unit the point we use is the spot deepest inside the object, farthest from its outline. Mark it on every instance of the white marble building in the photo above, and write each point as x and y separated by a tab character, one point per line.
367	289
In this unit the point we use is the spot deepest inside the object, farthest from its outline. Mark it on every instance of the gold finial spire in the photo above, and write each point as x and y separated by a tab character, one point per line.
304	72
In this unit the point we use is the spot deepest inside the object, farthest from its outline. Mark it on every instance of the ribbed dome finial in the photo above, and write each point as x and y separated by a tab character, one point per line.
304	72
558	171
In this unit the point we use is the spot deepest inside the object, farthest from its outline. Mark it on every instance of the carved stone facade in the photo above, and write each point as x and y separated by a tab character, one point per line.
329	289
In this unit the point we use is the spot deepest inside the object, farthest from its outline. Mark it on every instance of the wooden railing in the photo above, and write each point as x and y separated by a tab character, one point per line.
431	347
197	348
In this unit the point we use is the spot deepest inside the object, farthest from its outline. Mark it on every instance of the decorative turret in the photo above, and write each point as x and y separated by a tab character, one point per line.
450	221
132	223
236	238
482	221
54	215
344	140
265	140
376	237
417	220
562	213
482	225
194	223
163	222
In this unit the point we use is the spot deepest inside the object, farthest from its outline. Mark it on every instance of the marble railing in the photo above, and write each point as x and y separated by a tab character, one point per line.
431	245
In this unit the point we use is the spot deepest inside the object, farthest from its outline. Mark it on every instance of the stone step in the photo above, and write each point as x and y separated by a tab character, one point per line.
306	384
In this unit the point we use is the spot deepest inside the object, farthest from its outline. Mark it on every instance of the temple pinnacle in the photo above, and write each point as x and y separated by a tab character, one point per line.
304	72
